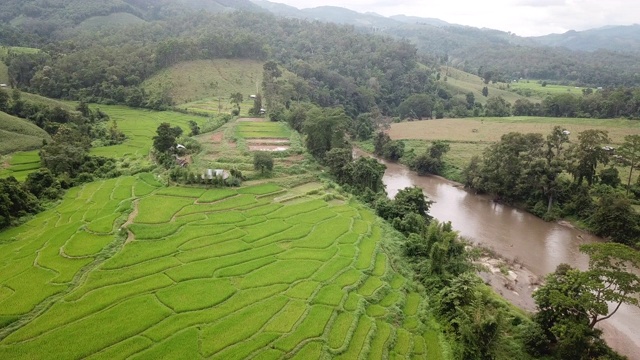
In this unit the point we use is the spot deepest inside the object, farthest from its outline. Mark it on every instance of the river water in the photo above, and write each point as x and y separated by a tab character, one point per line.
514	234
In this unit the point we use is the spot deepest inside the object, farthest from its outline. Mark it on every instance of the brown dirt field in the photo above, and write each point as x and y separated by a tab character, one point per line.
262	147
217	137
268	141
476	130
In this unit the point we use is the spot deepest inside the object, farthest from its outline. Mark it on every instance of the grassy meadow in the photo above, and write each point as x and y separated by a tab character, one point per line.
460	83
205	85
469	137
205	273
140	127
19	134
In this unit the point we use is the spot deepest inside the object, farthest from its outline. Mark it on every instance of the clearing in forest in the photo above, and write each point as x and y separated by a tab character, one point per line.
207	273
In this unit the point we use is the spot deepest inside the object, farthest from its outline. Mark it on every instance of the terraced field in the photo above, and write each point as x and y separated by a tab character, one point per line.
205	273
20	164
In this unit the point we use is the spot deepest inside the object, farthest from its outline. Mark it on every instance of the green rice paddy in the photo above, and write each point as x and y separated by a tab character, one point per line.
259	130
125	268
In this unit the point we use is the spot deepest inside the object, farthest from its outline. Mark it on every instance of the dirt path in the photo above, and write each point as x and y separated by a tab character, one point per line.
130	236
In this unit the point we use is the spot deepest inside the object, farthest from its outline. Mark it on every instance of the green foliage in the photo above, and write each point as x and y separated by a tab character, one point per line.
263	161
572	302
416	107
325	129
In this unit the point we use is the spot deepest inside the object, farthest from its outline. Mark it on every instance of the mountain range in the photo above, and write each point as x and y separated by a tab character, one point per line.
612	38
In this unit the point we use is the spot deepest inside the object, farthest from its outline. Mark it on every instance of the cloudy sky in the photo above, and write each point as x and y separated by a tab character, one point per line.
523	17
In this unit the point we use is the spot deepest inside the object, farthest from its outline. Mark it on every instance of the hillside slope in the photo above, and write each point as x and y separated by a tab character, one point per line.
614	38
19	135
195	80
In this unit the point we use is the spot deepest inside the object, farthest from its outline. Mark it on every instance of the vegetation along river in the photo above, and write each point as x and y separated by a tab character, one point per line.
516	235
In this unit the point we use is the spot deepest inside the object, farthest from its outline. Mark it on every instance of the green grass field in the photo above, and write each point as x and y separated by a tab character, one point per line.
20	164
140	127
460	83
206	85
263	130
19	134
242	276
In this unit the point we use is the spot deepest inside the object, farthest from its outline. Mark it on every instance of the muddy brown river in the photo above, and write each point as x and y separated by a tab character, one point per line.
514	234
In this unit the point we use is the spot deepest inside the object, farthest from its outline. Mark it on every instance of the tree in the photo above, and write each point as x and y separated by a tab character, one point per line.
257	105
615	218
325	129
431	161
366	175
66	153
165	140
4	101
236	98
338	161
588	153
379	142
498	107
195	129
393	150
572	302
263	161
485	91
471	100
630	151
416	107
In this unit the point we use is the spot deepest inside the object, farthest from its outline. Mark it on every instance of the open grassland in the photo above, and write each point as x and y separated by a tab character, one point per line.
207	84
221	274
19	134
460	83
20	164
469	137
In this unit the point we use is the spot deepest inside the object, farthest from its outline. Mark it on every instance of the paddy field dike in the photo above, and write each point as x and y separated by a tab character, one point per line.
130	269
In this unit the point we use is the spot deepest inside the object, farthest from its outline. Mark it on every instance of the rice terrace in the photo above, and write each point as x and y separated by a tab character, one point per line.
130	268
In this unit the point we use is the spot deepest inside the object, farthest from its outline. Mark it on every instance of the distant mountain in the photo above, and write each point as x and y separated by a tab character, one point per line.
332	14
614	38
415	20
19	12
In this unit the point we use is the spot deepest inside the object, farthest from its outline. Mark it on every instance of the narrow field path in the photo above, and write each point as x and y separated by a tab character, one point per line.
130	236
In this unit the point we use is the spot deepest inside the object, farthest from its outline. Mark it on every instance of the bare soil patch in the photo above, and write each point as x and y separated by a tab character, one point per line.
273	148
268	141
217	137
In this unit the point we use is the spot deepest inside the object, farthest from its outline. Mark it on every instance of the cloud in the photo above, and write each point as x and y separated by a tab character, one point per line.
523	17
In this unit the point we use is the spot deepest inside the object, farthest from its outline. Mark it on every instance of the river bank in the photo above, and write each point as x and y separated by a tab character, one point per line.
514	235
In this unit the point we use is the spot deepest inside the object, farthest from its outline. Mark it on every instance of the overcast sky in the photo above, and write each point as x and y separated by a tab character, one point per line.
523	17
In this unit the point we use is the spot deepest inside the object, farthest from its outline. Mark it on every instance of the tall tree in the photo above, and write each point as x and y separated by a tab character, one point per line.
630	151
588	153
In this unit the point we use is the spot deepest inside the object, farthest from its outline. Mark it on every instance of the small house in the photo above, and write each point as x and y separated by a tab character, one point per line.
3	85
252	96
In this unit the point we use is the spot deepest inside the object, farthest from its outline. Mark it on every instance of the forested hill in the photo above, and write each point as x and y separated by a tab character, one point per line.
335	65
48	18
571	58
614	38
